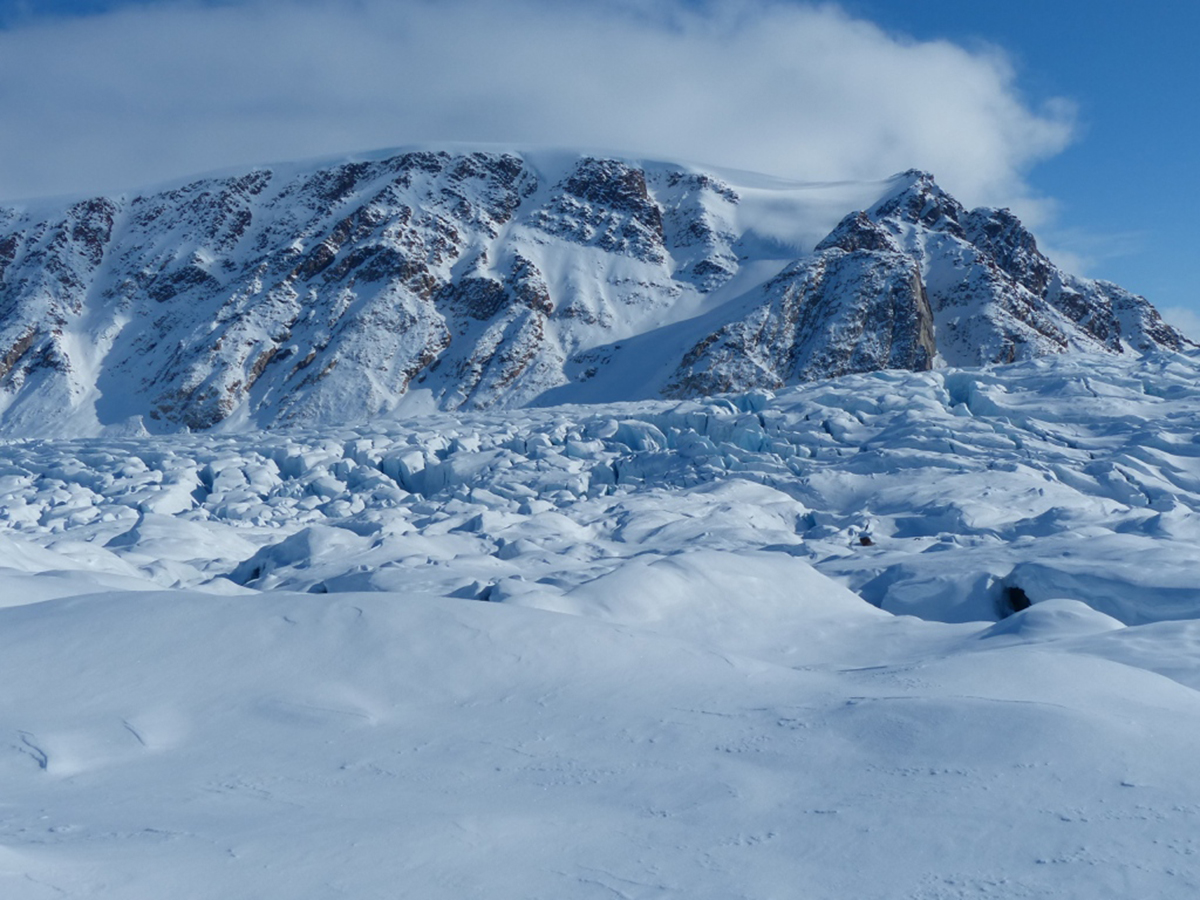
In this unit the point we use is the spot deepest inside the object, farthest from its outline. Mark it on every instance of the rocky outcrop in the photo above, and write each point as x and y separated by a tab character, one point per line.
804	329
996	297
914	278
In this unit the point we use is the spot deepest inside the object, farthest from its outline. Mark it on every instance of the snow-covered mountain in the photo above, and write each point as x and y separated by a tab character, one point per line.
339	292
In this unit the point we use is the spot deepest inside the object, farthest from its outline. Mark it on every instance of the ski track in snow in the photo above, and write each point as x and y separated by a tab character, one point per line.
254	665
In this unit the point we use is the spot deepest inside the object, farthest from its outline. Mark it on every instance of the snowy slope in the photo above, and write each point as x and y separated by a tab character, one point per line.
619	650
338	292
248	666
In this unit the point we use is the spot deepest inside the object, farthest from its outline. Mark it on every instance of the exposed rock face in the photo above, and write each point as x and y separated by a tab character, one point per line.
606	203
805	329
328	294
996	297
914	277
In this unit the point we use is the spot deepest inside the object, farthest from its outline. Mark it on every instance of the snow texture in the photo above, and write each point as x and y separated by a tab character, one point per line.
549	525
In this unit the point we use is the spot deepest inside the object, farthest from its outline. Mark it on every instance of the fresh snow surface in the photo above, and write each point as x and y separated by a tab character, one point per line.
258	665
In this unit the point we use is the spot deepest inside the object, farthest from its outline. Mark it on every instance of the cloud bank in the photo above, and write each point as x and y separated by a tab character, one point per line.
152	92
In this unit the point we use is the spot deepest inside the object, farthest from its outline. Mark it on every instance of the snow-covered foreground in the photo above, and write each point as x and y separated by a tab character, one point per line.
388	745
257	666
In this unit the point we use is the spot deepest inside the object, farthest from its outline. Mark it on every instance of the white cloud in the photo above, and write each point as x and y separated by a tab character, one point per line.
150	93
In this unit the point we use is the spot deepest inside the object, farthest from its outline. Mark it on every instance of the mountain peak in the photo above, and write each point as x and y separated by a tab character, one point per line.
912	177
917	199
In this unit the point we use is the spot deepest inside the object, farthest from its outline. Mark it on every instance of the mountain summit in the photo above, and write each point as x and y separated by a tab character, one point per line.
433	279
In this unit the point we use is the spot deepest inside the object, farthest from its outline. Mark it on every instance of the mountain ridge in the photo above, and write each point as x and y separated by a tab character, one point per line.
431	279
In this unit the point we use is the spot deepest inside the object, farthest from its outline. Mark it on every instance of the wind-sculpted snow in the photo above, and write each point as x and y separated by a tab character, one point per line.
587	651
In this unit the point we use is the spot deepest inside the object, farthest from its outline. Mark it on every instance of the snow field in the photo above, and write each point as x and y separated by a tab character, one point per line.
257	665
284	745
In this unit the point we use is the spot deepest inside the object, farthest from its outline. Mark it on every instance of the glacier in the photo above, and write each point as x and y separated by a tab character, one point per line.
901	633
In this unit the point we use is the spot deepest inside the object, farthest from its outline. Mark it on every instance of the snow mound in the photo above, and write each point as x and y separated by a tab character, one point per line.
185	745
1052	620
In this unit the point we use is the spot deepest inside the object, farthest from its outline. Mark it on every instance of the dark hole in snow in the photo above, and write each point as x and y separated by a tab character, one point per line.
865	540
1015	599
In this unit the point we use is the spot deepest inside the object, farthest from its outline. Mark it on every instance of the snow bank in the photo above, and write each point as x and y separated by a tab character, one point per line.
185	745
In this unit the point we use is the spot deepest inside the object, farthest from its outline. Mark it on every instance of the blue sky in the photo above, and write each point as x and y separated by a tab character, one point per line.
1082	116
